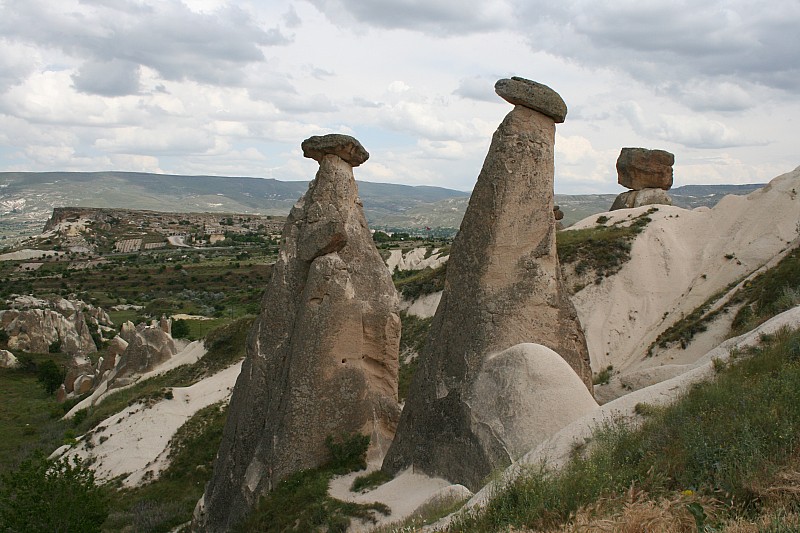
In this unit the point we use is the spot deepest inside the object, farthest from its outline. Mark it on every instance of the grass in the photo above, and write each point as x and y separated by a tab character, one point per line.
415	283
426	514
29	417
169	501
601	250
767	295
770	293
199	329
120	317
414	333
370	481
684	330
301	502
728	440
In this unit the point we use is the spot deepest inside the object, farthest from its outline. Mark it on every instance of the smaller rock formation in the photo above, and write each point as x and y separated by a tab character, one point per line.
116	347
558	214
148	346
79	367
648	173
7	360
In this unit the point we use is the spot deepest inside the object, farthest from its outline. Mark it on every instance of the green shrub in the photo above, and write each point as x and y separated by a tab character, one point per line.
604	376
45	495
180	329
301	502
50	375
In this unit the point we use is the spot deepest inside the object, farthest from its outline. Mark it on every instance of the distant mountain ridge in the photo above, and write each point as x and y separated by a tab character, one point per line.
28	198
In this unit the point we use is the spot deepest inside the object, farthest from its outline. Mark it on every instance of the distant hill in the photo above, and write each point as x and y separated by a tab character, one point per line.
28	198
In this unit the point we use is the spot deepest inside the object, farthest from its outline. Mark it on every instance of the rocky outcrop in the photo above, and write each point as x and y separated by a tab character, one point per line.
627	200
415	259
8	360
148	346
78	367
124	361
648	173
503	288
322	358
36	325
36	330
116	347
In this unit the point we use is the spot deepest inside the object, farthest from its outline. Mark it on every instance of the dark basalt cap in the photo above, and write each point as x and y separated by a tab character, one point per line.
345	146
536	96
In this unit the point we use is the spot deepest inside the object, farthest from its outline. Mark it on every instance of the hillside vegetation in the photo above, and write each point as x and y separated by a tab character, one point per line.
724	454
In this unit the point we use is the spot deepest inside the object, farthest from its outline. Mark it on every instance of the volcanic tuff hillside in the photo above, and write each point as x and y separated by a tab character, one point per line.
729	229
28	198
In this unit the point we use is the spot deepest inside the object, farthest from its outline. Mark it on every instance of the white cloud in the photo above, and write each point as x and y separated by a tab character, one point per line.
134	140
441	17
688	130
108	78
479	88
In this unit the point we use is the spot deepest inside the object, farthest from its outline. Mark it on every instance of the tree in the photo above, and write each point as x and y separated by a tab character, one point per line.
50	376
45	495
180	329
380	236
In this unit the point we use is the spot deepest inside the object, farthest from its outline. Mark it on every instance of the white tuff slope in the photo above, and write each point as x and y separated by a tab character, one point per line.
678	262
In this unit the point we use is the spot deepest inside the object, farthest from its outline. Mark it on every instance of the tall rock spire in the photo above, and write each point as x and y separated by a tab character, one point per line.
503	288
322	357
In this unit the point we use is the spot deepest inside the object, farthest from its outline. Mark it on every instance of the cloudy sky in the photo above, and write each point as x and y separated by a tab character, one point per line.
232	87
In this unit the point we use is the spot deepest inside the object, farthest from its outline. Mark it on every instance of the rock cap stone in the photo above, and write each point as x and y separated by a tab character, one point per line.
533	95
346	147
641	168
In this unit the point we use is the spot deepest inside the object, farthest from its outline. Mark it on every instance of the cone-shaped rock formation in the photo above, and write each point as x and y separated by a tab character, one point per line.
322	358
503	288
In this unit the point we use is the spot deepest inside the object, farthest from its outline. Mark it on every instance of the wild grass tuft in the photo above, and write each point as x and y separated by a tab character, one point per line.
370	481
604	376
